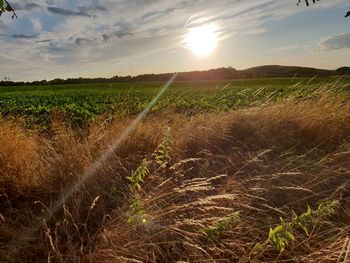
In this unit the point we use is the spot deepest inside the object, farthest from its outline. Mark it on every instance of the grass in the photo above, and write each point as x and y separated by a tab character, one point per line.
201	187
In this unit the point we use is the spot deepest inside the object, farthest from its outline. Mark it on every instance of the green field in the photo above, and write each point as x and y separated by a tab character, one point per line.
81	104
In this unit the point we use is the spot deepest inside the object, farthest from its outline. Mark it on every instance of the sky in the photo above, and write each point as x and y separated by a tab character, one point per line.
102	38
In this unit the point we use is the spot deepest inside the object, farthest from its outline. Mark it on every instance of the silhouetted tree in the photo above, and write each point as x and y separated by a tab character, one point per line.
348	13
6	7
307	2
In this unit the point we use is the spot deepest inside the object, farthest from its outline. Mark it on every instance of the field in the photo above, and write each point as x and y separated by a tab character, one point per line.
83	104
240	171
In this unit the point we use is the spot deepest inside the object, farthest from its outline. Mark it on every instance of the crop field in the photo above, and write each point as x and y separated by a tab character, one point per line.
82	104
231	171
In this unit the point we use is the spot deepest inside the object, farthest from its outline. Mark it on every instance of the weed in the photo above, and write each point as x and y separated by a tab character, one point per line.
304	221
281	235
225	224
162	154
310	218
284	233
137	214
138	176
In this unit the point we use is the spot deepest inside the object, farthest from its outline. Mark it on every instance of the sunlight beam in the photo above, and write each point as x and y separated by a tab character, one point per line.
68	193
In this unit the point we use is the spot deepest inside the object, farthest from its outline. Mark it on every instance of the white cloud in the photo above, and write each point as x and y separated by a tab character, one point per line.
101	32
289	48
341	41
37	25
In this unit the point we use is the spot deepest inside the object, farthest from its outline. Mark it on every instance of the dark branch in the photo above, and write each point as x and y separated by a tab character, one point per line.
307	2
10	9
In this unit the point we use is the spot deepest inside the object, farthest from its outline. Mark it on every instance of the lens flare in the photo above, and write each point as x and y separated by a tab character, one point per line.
90	172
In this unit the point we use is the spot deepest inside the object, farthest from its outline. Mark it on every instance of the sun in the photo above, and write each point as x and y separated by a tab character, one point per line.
202	40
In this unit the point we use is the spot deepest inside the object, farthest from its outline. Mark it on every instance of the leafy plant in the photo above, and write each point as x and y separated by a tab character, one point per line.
138	176
310	218
223	225
284	233
137	214
304	221
281	235
327	208
162	154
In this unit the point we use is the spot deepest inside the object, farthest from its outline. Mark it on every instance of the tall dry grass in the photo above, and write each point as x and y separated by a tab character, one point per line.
261	162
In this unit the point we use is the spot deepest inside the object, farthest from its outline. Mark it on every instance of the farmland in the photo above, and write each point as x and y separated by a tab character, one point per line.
82	104
228	171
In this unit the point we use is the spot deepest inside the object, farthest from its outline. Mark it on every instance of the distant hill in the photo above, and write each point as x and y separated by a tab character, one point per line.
285	71
268	71
343	71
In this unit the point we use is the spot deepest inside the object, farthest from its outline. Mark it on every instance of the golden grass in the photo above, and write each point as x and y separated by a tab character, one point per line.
19	158
261	161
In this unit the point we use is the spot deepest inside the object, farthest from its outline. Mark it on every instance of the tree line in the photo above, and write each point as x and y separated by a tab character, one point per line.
227	73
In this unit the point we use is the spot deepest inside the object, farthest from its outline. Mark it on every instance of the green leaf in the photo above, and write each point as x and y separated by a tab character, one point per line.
304	229
290	236
271	233
309	210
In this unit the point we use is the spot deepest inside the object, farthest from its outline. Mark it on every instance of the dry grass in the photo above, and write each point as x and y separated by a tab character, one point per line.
262	162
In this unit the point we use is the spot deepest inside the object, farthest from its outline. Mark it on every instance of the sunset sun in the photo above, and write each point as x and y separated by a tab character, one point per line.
202	40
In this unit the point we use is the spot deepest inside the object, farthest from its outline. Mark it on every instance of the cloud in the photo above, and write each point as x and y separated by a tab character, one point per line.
92	8
66	12
255	31
341	41
36	25
2	25
289	48
106	31
117	34
23	36
82	41
27	6
44	41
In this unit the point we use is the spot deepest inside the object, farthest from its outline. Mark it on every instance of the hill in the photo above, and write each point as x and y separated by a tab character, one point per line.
285	71
267	71
343	71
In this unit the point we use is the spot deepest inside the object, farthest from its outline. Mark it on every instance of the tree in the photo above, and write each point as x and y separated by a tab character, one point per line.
307	2
6	7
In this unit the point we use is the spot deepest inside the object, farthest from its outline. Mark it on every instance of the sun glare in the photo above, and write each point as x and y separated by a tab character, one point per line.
202	40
